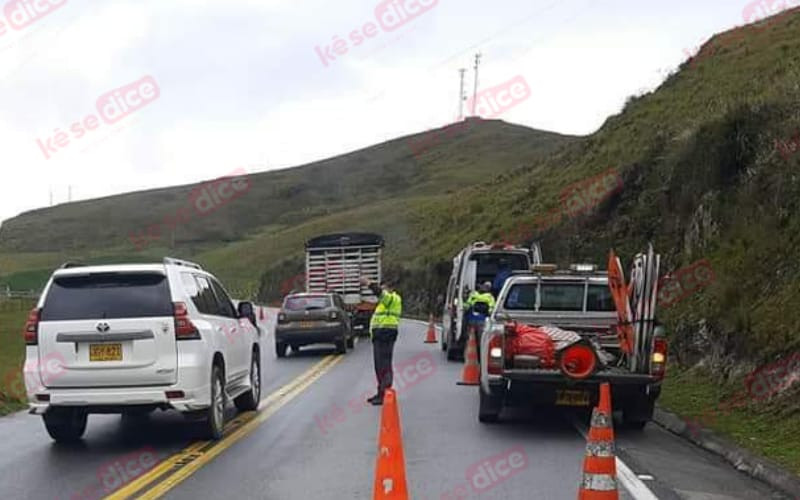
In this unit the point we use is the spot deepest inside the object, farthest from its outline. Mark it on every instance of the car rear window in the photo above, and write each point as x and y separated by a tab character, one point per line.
599	299
107	296
306	303
521	297
562	297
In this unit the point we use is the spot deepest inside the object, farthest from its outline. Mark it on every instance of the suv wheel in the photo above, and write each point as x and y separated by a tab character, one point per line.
280	349
215	418
65	425
249	400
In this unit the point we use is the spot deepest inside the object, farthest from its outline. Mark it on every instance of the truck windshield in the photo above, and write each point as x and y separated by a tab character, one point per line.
306	303
107	296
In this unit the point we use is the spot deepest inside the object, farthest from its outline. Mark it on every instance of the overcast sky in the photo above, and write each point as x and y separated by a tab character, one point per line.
263	84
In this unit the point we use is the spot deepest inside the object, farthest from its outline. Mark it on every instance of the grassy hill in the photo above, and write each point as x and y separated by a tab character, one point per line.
702	178
707	170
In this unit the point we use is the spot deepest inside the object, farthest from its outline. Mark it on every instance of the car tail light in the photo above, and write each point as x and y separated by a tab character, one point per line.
494	364
31	332
578	361
184	328
658	360
281	318
333	315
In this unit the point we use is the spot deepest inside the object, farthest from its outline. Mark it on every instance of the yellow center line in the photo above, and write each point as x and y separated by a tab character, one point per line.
186	462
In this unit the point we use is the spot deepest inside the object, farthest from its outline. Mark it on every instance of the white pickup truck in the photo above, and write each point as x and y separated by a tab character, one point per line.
577	301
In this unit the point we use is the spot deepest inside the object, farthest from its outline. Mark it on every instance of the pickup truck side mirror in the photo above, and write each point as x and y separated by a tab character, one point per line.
246	310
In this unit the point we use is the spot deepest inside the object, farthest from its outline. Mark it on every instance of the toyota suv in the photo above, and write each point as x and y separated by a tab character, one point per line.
134	338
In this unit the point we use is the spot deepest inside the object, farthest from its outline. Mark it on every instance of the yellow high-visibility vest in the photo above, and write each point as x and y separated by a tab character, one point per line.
388	311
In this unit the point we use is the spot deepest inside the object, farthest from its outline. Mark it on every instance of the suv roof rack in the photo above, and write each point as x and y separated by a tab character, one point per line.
70	265
179	262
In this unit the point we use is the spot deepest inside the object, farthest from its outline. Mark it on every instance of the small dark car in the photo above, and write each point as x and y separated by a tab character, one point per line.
313	318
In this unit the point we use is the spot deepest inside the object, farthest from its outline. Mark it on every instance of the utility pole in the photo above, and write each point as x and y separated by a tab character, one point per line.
475	93
461	96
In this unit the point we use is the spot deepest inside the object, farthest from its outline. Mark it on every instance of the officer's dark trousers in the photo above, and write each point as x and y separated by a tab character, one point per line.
383	340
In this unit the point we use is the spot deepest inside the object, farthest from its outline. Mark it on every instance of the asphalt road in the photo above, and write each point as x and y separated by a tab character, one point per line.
315	438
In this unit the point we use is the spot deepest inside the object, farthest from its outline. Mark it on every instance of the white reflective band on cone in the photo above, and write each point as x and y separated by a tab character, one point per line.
600	419
599	482
600	449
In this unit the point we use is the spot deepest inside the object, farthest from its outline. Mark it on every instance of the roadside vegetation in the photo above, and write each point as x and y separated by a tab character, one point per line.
12	320
708	169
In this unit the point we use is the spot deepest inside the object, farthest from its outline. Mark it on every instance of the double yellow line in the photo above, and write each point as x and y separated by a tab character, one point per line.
177	468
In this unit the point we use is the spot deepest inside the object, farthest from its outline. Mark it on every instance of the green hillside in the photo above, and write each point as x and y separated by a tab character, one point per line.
702	178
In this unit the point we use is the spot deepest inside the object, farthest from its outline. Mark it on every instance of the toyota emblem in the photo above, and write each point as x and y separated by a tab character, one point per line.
103	327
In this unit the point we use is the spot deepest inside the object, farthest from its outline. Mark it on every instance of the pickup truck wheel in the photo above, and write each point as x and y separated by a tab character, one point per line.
65	425
638	412
250	399
280	349
489	407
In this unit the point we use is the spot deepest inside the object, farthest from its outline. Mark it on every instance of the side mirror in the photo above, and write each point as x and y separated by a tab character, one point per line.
246	310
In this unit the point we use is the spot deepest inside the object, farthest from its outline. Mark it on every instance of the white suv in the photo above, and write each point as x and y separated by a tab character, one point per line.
134	338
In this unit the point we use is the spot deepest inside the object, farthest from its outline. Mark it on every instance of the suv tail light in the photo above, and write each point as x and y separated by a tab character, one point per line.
494	364
31	332
658	360
333	315
578	361
282	318
184	328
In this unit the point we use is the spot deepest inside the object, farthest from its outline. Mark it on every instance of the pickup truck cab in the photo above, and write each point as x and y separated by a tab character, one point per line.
579	301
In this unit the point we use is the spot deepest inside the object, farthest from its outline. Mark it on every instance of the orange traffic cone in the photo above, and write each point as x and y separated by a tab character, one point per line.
599	464
390	466
471	375
431	338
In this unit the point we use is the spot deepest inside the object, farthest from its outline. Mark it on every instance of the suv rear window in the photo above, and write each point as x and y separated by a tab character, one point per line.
301	303
107	296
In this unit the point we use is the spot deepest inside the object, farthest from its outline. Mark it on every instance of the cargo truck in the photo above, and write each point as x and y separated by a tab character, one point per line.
336	263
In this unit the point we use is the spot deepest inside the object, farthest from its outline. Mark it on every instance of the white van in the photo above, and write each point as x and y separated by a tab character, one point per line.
475	264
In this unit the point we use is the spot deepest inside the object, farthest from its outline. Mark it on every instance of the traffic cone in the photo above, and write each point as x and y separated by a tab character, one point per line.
390	466
599	464
471	375
431	338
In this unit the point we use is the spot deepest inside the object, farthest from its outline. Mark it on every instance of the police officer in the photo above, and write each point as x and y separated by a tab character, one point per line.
383	330
479	305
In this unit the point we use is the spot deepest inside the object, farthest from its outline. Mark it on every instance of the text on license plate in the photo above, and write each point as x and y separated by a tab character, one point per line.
572	398
105	352
308	324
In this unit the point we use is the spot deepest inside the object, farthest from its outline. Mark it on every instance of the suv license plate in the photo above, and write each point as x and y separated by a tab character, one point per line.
105	352
308	324
572	398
